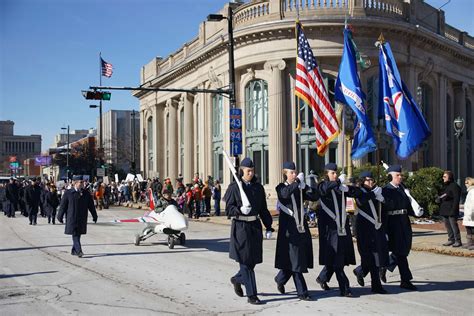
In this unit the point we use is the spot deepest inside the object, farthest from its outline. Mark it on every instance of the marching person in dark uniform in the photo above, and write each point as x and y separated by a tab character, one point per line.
396	209
448	199
371	240
246	235
336	249
74	204
33	200
51	203
294	249
12	195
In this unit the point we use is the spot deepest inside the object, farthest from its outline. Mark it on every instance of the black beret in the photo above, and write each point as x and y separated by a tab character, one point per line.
289	165
247	162
366	174
394	168
331	166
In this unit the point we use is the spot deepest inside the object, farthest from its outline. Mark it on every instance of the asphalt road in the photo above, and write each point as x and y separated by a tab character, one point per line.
38	276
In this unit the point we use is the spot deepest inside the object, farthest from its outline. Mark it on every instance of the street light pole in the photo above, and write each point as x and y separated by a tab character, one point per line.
100	149
458	128
67	151
133	142
230	49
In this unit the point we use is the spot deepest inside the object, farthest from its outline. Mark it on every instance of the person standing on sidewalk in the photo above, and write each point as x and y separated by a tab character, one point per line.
74	204
448	199
294	249
468	219
246	236
216	195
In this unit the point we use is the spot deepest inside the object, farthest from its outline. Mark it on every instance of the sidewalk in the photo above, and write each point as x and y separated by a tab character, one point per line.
425	237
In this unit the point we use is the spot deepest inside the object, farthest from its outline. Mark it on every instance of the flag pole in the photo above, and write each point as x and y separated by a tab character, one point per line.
100	113
379	44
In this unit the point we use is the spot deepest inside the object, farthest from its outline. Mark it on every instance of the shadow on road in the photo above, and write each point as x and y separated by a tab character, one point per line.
112	254
217	244
427	233
7	276
55	246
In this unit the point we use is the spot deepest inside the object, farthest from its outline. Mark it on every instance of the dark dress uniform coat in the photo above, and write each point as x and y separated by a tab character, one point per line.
75	205
51	203
371	241
397	227
335	250
294	250
246	238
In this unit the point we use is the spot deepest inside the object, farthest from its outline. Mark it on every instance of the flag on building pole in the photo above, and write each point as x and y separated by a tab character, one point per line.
348	91
310	87
403	119
106	68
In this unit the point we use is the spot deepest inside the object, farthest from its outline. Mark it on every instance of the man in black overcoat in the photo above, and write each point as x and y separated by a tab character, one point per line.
396	209
74	204
12	196
246	236
294	249
33	200
371	240
448	199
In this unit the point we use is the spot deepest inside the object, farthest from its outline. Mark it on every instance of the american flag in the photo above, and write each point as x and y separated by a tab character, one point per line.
310	88
106	68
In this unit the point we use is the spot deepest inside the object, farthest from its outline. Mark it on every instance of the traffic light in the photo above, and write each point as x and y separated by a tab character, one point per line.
96	95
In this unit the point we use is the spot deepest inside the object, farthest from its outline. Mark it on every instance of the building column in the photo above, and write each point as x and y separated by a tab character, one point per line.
188	138
276	126
460	110
172	139
442	140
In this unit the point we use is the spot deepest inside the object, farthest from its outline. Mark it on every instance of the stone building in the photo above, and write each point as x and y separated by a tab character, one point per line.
186	133
16	148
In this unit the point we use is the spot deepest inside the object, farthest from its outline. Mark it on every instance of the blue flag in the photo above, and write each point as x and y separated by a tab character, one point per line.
403	120
348	91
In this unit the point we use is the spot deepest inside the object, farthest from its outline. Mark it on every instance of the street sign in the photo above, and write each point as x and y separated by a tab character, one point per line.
100	172
235	116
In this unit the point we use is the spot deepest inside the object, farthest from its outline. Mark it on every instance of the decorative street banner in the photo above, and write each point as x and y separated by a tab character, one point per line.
42	160
236	131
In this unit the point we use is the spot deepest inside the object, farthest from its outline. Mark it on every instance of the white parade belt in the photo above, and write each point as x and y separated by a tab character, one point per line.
246	218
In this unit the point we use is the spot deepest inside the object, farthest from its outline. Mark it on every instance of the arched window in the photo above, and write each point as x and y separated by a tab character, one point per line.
310	160
150	142
425	102
217	144
256	110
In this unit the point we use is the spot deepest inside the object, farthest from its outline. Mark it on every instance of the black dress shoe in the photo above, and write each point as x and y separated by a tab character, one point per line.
383	275
280	287
324	285
449	243
407	285
254	300
80	254
379	290
457	244
305	297
237	287
346	293
360	278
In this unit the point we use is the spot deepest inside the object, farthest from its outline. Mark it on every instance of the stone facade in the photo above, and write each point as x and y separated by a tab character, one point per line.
186	133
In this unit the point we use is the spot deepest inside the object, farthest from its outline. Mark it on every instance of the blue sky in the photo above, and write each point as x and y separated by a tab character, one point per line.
49	52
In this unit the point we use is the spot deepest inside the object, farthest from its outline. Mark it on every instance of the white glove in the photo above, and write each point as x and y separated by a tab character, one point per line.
343	188
300	177
245	209
378	194
342	177
268	234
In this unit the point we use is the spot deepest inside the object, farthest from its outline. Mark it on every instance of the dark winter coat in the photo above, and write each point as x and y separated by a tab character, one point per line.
335	250
294	250
12	192
450	202
371	242
75	204
397	227
32	198
51	203
246	238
